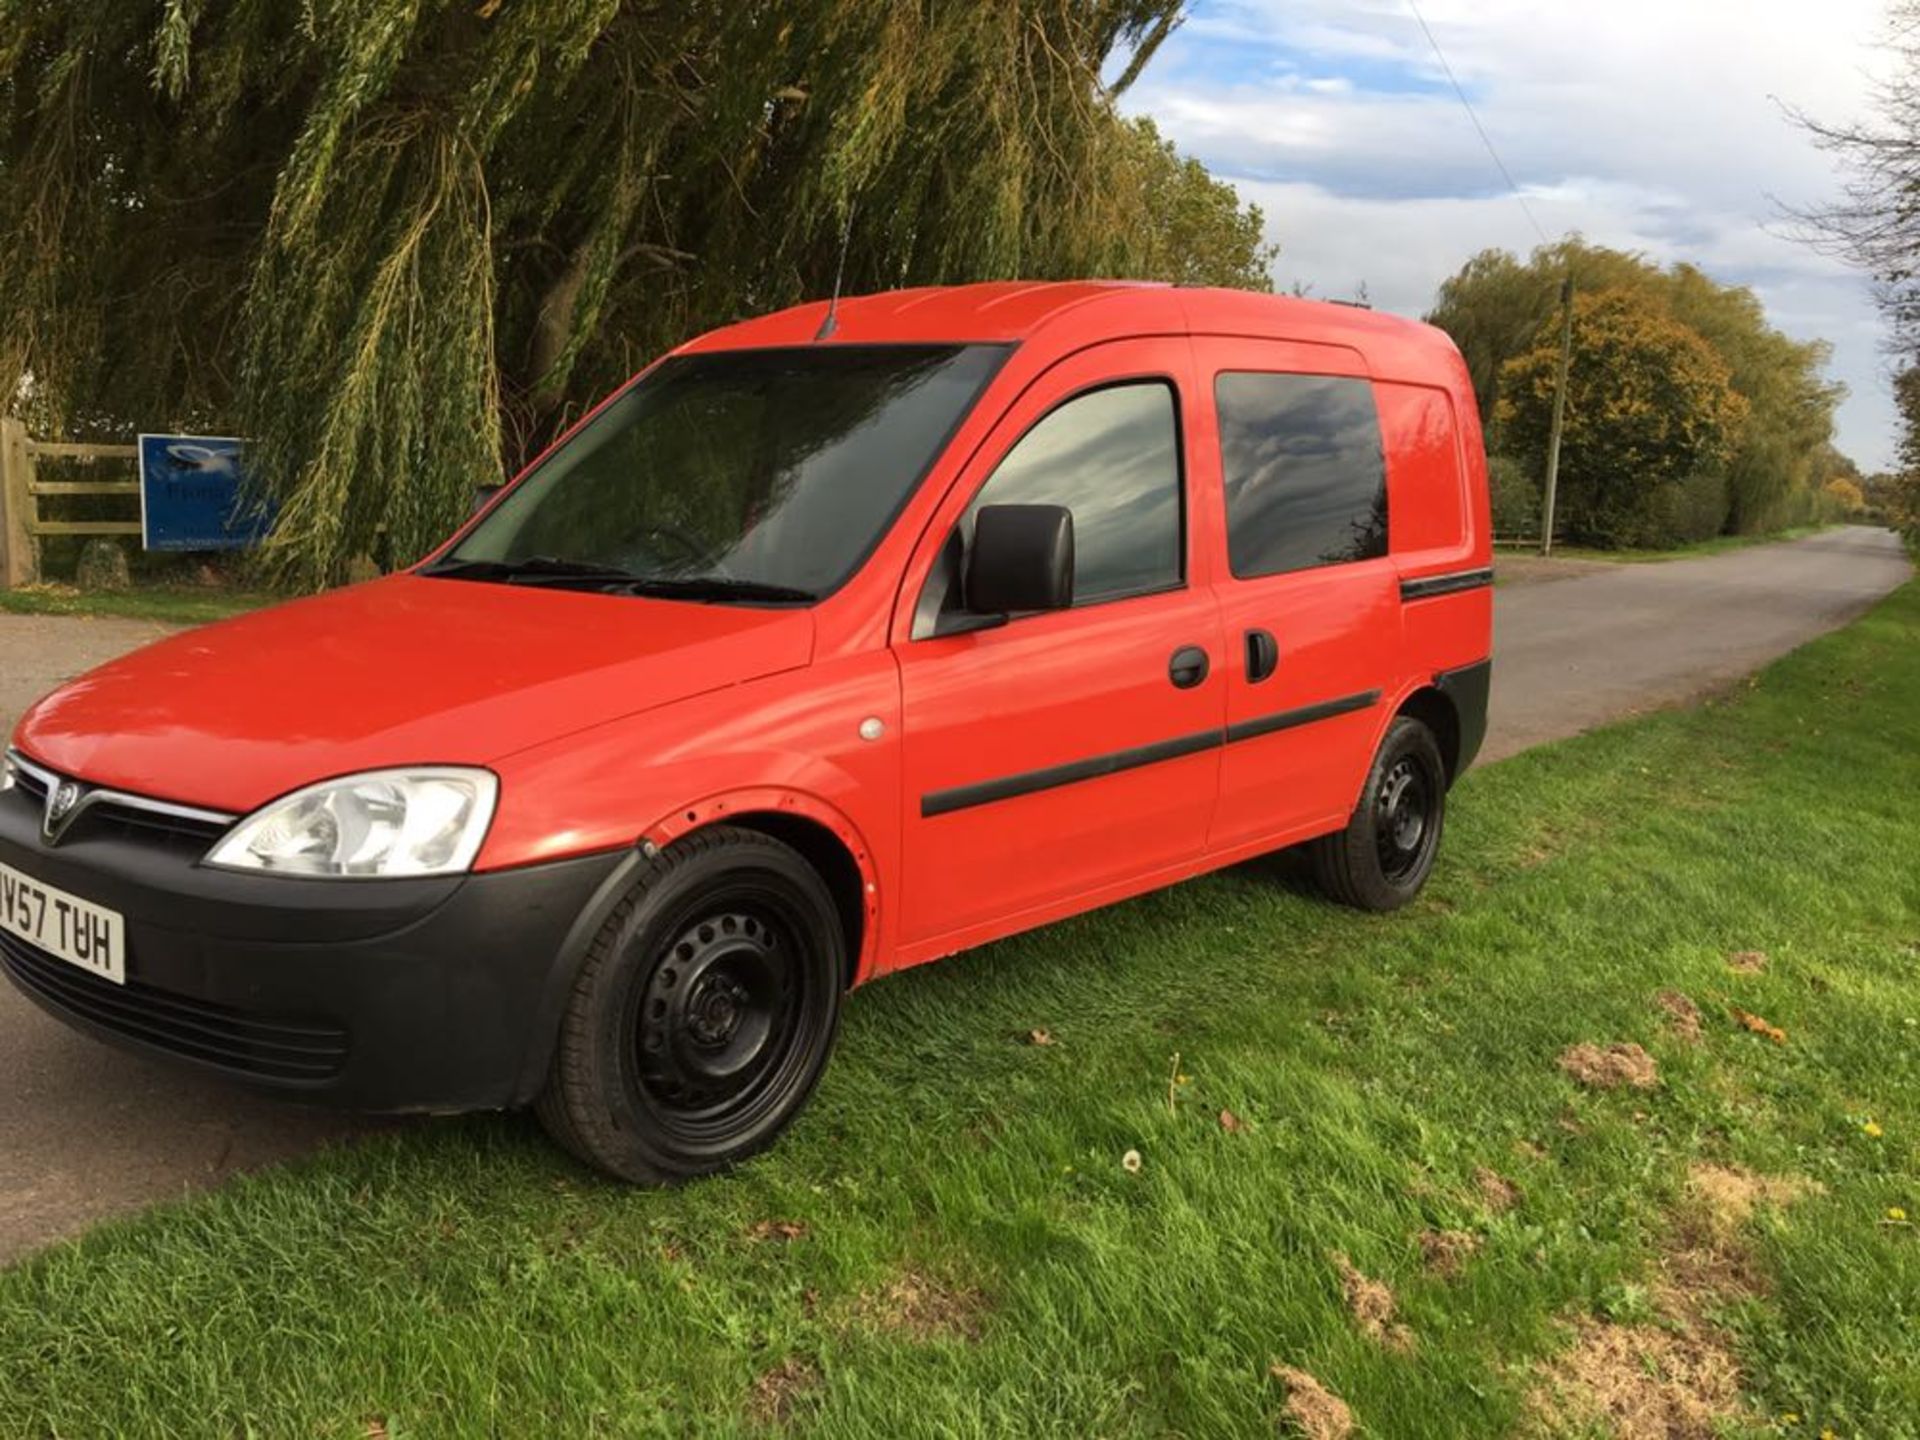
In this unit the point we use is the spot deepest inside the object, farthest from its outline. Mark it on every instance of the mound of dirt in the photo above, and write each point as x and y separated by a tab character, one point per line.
1607	1067
1446	1252
1315	1411
1373	1306
1497	1193
1683	1016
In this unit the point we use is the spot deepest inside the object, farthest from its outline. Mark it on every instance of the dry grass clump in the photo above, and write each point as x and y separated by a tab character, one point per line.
916	1305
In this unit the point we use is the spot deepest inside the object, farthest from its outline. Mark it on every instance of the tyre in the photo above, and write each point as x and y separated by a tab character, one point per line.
703	1014
1384	855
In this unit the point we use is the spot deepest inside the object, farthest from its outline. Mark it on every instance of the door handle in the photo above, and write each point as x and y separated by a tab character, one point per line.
1188	667
1263	656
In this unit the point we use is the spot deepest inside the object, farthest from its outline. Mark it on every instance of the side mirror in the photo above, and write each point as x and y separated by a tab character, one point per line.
1021	560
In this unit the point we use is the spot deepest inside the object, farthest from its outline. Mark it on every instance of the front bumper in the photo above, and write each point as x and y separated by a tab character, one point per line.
425	994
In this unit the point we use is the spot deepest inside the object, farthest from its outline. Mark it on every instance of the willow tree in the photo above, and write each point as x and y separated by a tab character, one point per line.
399	243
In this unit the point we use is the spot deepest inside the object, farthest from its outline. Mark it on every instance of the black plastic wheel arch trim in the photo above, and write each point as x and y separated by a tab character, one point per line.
1028	782
1469	687
1425	587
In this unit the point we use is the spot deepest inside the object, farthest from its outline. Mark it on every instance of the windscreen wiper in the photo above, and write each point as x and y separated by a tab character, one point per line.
715	587
551	570
535	570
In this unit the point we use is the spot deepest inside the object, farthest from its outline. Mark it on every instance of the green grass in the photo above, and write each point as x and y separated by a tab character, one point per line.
169	604
1718	545
459	1278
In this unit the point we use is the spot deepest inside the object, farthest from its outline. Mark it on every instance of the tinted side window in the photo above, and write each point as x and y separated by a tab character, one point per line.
1112	457
1306	482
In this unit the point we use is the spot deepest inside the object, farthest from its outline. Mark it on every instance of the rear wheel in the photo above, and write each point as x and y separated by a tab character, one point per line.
1382	858
704	1012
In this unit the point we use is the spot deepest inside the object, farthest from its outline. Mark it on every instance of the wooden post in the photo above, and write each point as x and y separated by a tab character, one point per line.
1559	414
19	557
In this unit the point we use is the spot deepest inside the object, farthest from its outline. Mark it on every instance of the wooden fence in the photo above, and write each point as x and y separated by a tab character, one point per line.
21	489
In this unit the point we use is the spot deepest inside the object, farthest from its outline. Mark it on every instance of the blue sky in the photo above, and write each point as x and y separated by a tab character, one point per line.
1648	125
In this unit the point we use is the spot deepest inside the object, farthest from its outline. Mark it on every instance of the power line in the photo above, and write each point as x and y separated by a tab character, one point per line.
1467	105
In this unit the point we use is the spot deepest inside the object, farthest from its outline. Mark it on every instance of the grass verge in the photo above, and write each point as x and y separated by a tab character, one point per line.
1717	545
169	604
1368	1179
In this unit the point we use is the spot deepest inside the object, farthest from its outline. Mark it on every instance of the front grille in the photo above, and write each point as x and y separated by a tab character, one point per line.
108	817
129	818
299	1051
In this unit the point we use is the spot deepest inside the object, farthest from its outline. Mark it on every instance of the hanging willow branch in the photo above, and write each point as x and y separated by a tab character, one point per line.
399	243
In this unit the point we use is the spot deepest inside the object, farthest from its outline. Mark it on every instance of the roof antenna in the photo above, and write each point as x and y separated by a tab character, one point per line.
839	271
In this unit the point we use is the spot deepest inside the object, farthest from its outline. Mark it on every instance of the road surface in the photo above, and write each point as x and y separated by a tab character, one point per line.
87	1132
1615	640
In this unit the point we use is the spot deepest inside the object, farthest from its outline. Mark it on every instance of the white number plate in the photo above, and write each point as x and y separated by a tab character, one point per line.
78	931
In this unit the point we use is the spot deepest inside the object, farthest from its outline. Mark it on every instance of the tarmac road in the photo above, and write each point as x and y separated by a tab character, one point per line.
1616	640
87	1132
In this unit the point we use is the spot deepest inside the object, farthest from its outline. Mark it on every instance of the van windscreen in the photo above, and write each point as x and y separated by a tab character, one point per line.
746	475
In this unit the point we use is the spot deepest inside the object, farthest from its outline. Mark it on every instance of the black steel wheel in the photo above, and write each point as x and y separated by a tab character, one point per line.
1403	805
704	1013
1383	856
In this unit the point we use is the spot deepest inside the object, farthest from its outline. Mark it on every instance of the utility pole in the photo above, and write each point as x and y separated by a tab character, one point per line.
1559	413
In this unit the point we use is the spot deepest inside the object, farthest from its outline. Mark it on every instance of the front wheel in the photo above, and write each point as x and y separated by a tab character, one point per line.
1382	858
703	1014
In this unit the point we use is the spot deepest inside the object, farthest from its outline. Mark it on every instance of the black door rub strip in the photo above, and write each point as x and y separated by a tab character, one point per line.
1427	586
985	792
1027	782
1305	715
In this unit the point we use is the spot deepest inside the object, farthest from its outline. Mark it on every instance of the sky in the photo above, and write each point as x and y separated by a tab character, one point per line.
1656	126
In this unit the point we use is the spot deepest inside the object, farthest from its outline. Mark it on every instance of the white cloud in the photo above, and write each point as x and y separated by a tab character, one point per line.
1651	125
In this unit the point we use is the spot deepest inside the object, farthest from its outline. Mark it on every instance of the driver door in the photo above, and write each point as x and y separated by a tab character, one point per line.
1067	757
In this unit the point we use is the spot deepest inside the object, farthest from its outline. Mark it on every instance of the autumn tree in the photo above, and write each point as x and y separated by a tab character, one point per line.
1651	419
1495	305
401	243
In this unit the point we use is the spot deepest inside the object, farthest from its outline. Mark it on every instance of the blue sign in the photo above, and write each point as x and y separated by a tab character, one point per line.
190	495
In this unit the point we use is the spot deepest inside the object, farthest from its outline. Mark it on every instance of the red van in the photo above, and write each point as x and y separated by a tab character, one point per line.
831	644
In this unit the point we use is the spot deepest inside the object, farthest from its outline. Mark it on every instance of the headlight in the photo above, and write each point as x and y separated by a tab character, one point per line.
426	821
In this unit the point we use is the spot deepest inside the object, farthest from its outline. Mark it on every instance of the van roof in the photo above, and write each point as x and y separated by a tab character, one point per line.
1072	313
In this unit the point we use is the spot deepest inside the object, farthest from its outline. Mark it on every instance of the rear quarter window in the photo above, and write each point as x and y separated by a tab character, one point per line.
1427	491
1306	483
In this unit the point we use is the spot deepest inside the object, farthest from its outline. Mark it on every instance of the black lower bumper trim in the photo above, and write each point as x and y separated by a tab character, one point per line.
388	995
249	1046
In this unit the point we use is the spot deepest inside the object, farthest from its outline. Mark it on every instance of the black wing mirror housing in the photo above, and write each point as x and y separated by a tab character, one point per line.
1021	560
